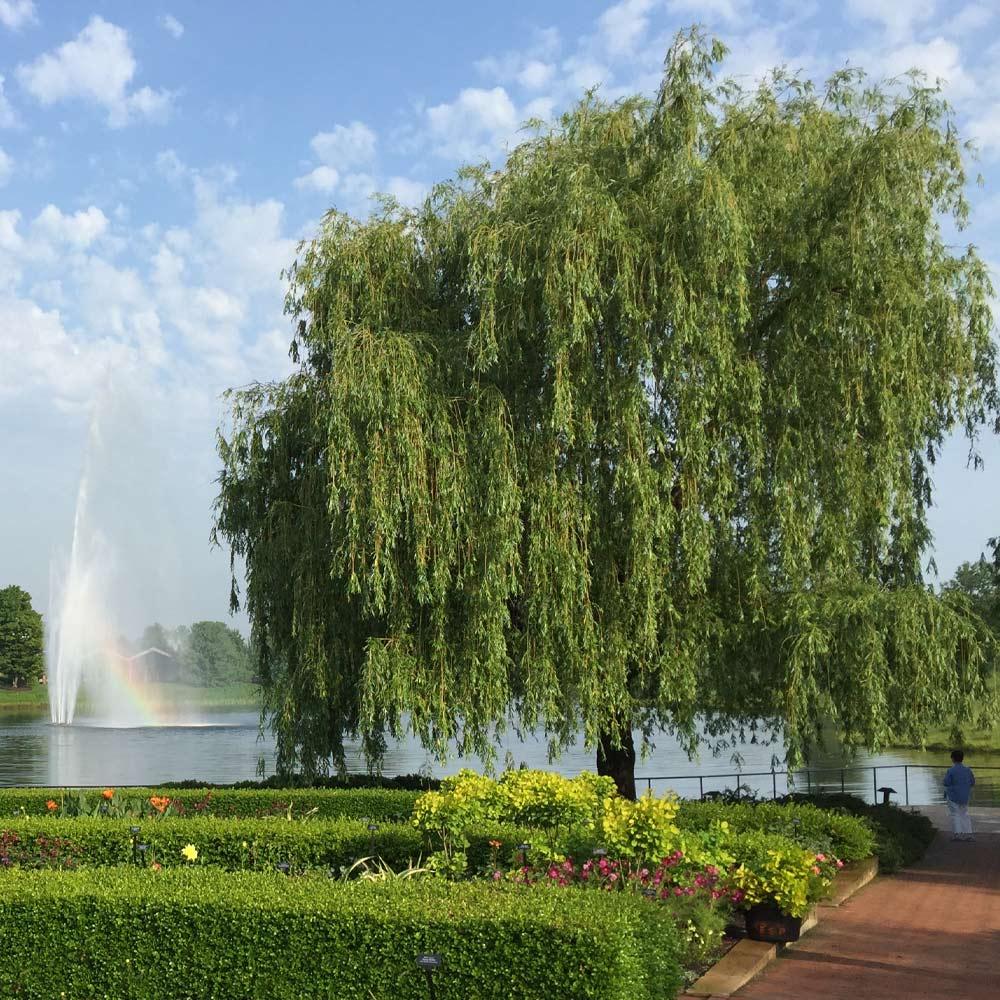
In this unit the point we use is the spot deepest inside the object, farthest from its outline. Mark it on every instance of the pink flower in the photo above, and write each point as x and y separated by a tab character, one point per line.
821	857
815	869
497	876
840	864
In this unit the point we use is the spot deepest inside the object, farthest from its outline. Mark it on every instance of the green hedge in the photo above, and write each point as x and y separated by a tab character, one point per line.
191	935
235	844
374	804
901	837
848	837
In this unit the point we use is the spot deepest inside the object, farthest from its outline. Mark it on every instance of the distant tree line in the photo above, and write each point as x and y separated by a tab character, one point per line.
209	654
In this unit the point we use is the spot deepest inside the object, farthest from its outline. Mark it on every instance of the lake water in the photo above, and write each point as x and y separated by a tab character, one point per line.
226	746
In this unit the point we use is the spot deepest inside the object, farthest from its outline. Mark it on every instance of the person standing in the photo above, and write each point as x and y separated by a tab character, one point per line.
958	782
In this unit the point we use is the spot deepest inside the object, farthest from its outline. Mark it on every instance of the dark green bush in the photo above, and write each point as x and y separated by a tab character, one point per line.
374	804
831	831
399	782
191	935
901	837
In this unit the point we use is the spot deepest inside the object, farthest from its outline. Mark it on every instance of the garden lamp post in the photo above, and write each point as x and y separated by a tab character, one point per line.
430	963
135	844
284	867
523	851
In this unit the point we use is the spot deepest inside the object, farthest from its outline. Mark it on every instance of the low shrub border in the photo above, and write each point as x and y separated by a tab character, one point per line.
195	934
850	838
376	804
901	837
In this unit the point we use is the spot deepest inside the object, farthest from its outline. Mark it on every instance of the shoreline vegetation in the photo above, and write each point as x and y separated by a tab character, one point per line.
171	695
978	739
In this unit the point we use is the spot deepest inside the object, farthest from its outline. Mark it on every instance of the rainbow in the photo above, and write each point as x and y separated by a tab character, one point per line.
132	702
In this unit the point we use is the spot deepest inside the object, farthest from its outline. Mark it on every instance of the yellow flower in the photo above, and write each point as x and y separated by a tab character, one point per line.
190	852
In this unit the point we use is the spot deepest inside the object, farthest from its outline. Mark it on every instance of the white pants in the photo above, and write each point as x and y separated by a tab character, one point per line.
961	821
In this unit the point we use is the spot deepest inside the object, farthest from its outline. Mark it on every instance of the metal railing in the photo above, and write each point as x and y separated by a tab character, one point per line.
792	779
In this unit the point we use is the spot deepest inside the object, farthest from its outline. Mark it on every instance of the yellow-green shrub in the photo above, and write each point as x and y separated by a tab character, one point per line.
641	831
771	868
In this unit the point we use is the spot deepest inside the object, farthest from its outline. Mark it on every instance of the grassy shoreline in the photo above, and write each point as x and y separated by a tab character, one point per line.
173	695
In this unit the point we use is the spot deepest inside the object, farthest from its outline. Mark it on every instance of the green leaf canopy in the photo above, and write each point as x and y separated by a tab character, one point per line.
636	428
22	638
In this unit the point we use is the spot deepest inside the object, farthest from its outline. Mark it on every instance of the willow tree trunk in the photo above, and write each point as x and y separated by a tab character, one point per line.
616	759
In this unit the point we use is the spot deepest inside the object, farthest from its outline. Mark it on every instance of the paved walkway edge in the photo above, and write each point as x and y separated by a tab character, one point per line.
747	959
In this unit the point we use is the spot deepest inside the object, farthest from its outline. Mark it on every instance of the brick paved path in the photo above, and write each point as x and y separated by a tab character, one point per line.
930	932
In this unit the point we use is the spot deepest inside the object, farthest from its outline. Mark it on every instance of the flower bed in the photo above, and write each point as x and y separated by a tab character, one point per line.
375	804
236	845
199	933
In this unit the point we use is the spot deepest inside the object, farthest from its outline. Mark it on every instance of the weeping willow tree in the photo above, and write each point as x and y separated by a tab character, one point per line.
635	430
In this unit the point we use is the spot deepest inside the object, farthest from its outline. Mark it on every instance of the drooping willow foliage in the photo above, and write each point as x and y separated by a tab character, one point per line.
638	427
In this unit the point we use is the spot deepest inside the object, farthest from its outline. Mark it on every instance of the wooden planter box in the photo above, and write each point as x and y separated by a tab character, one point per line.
765	922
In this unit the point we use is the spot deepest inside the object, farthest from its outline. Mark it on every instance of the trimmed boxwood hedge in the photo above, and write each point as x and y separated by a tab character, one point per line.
848	837
243	843
190	935
369	803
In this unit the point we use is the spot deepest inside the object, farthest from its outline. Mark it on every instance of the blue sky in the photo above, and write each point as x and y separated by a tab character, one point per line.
159	163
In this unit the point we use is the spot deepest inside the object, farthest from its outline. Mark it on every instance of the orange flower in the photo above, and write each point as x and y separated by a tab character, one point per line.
108	793
52	805
156	866
159	802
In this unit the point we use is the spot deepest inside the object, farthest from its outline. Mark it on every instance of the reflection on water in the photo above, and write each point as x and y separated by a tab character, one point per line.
227	747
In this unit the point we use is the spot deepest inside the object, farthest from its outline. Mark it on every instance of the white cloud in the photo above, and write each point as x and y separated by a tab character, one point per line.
15	14
78	230
731	11
153	105
97	66
8	117
531	68
972	17
622	25
407	191
6	167
583	72
345	146
357	190
898	16
42	356
171	25
535	74
475	125
938	58
323	179
984	131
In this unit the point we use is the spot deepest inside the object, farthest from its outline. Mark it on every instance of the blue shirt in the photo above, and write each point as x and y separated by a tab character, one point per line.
958	782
